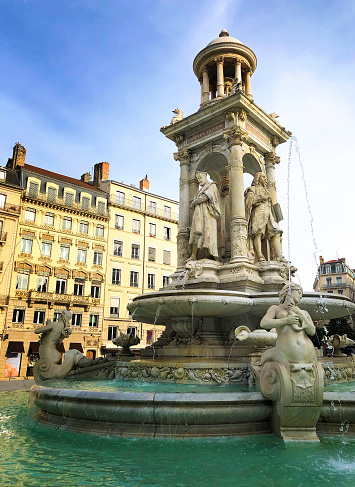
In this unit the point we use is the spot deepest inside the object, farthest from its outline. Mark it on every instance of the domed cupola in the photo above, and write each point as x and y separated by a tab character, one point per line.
223	63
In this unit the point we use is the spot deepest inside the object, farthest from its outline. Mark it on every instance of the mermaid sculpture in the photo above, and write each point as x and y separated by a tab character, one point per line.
49	364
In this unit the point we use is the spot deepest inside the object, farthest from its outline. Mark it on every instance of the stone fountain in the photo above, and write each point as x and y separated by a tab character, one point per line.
230	272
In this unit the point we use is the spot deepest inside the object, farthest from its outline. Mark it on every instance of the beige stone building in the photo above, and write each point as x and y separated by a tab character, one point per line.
142	253
59	258
335	277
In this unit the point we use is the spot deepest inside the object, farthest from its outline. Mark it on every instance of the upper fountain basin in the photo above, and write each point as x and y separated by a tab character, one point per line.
159	306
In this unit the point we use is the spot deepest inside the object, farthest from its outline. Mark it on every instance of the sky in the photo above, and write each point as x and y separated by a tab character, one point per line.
85	81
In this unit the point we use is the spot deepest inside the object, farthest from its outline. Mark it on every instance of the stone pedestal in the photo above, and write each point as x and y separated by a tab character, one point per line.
297	394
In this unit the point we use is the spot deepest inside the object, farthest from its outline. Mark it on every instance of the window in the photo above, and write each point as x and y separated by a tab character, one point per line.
69	199
338	268
26	245
149	337
81	257
67	223
151	281
61	286
339	281
133	279
64	252
94	320
95	290
151	254
84	227
119	222
136	202
18	316
30	214
329	281
167	233
136	226
52	194
117	248
101	207
328	269
42	284
33	189
132	330
114	307
166	257
97	258
79	287
167	211
112	332
2	175
22	282
340	291
116	276
49	219
38	317
120	197
76	319
56	315
99	231
166	280
2	200
46	249
152	207
135	251
152	229
85	203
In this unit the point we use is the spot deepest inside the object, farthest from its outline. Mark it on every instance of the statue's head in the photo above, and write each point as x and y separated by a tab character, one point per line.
65	316
201	177
291	289
259	179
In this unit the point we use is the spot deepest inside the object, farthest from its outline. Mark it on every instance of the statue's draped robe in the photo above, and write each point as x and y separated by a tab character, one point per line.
259	214
203	232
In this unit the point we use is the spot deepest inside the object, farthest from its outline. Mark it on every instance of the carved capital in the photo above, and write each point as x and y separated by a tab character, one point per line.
238	60
272	159
183	156
235	136
219	60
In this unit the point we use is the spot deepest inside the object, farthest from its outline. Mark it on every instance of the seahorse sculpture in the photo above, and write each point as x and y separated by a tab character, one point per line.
126	341
178	116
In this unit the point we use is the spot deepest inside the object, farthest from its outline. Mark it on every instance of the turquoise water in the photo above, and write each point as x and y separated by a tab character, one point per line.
142	386
33	455
342	387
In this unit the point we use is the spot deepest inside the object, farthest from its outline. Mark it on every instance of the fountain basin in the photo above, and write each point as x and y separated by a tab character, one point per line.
175	414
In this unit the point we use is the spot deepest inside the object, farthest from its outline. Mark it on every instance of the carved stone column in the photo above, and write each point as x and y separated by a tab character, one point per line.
248	84
205	86
201	85
238	69
226	216
184	207
193	190
270	160
238	223
220	76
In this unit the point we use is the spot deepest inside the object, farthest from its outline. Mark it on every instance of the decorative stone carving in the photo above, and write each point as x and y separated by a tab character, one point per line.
183	246
203	232
339	342
291	375
126	340
272	159
238	235
179	140
262	224
235	136
179	115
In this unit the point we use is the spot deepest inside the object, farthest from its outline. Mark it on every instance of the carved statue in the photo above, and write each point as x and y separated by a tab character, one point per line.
178	116
126	340
49	364
291	375
338	342
261	220
203	232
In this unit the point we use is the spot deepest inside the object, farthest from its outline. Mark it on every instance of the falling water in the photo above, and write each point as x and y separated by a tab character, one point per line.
157	313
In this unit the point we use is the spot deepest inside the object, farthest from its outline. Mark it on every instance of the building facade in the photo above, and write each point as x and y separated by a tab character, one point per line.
335	277
142	254
59	263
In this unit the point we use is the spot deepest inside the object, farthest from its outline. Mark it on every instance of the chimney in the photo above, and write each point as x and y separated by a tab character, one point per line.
321	260
144	184
86	177
18	157
101	173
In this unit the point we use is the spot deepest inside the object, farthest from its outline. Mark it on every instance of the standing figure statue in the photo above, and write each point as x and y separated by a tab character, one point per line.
261	220
292	325
203	232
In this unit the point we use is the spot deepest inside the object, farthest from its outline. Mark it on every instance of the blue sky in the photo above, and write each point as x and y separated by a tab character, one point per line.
84	81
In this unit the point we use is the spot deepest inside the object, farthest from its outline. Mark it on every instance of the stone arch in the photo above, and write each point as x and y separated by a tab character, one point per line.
213	160
252	163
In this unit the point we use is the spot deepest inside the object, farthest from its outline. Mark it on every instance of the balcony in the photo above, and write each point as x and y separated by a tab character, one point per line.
68	300
131	205
56	201
10	208
335	284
